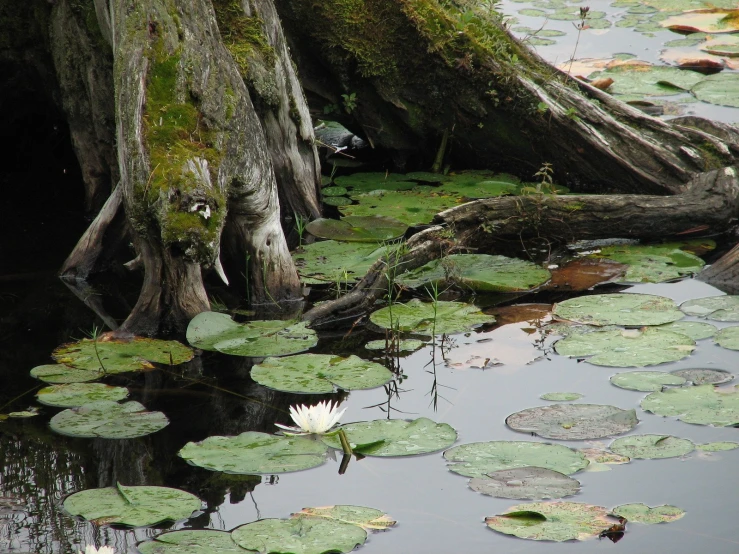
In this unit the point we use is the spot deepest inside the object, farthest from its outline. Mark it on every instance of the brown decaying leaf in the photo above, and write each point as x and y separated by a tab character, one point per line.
602	84
583	274
520	312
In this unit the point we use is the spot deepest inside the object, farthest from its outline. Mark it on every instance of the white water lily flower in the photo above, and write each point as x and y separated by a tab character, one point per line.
89	549
316	419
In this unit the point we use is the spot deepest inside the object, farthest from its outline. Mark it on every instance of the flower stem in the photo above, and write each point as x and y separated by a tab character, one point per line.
345	443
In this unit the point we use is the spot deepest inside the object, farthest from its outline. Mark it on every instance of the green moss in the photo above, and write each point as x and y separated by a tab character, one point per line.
711	156
85	10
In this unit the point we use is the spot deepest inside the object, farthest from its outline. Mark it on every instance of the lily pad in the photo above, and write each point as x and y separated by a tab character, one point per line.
696	330
412	208
652	447
717	446
717	308
367	518
728	338
366	182
720	89
713	21
704	376
120	356
428	318
395	437
601	459
132	506
216	331
481	189
299	536
403	345
477	459
201	541
255	453
646	381
71	395
702	405
653	263
641	513
618	309
627	347
649	80
573	421
320	373
561	396
330	261
480	272
108	420
334	191
337	201
526	483
357	228
60	373
552	521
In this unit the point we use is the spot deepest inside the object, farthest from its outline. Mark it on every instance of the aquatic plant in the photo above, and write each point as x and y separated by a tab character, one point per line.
318	419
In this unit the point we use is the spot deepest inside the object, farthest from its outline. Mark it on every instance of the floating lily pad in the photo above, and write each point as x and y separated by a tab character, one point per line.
367	518
561	396
201	541
337	201
717	308
696	330
652	446
404	345
552	521
653	263
334	191
120	356
585	273
641	513
702	405
366	182
627	347
71	395
645	381
526	483
600	459
717	446
299	536
330	261
649	80
60	373
255	453
573	421
477	459
704	376
108	420
320	373
357	228
426	318
215	331
480	189
395	437
412	208
728	338
713	21
479	272
132	506
619	309
720	89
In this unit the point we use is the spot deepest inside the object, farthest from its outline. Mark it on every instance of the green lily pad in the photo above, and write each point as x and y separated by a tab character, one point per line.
108	420
337	201
320	373
717	446
299	536
132	506
331	261
481	189
727	45
477	459
59	373
600	459
717	308
618	309
358	228
721	89
367	182
728	337
120	356
696	330
561	396
641	513
201	541
334	191
428	318
704	376
573	421
552	521
215	331
480	272
712	20
412	208
645	381
652	447
653	263
71	395
367	518
395	437
404	345
649	80
702	405
255	453
526	483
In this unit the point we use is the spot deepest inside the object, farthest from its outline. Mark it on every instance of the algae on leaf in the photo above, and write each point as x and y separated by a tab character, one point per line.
70	395
108	420
652	446
717	308
646	381
428	318
701	405
367	518
641	513
371	228
627	309
331	261
299	536
573	421
526	483
60	373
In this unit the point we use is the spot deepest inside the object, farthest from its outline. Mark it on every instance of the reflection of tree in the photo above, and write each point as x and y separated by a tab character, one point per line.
445	345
